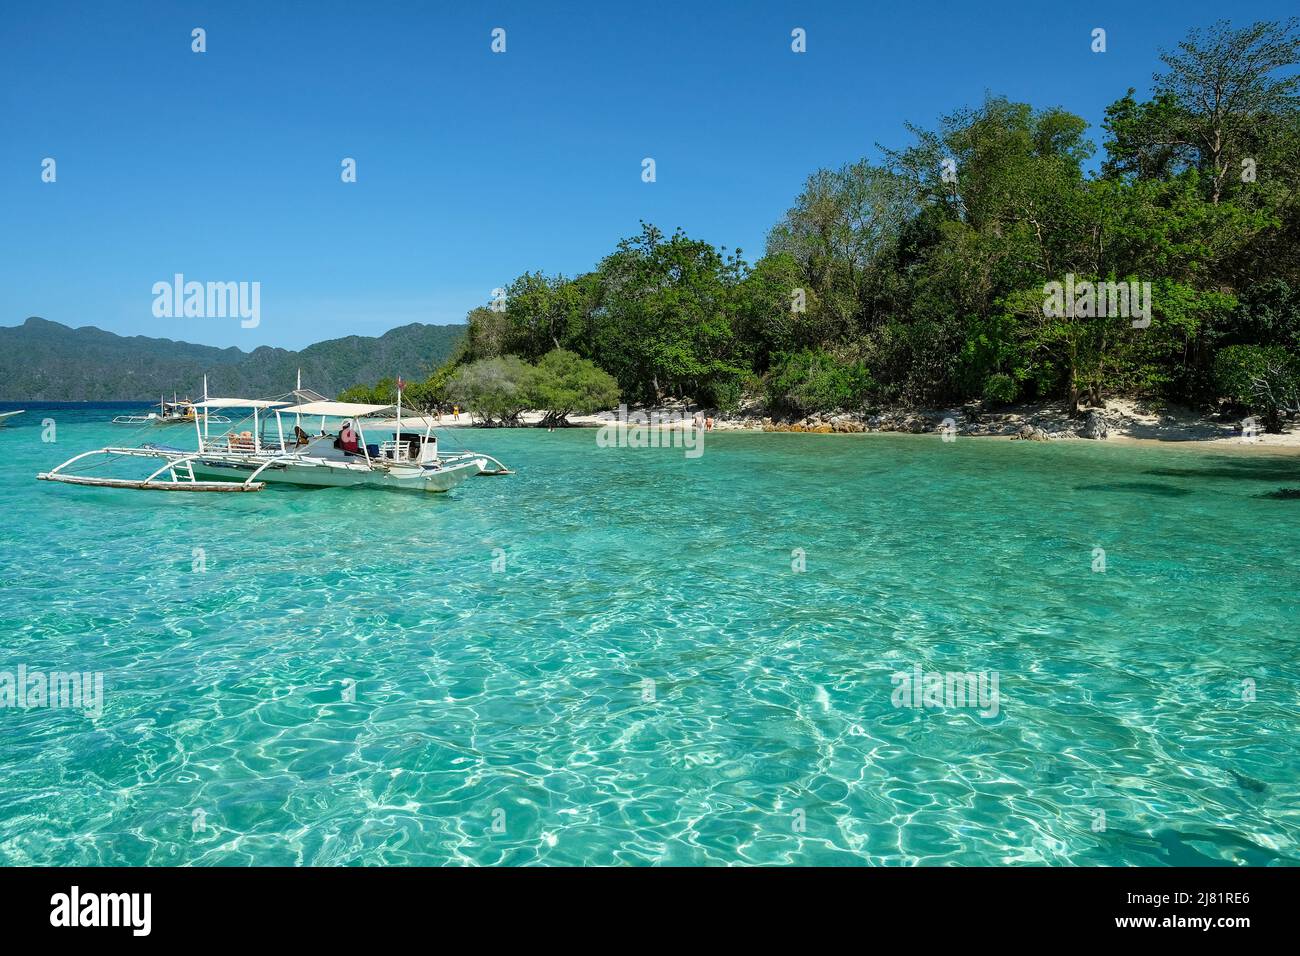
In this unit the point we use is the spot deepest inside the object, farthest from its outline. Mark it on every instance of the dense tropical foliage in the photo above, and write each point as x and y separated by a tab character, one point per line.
921	279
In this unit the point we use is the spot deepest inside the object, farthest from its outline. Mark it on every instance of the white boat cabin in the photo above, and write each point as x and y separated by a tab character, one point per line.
365	431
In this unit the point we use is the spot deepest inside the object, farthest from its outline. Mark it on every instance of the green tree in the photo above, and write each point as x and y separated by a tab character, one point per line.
813	381
1217	87
665	322
544	313
496	389
488	335
566	384
837	231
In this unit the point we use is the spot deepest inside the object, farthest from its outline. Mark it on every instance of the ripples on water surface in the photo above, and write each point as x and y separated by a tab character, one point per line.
516	700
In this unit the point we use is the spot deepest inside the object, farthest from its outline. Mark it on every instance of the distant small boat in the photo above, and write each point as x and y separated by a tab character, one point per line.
5	416
175	412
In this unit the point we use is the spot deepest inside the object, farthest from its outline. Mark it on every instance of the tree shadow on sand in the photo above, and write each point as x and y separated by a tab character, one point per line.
1172	430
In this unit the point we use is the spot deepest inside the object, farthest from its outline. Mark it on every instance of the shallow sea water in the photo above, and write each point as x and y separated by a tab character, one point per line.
648	680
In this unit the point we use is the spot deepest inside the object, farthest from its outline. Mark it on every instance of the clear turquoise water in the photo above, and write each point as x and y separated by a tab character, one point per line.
499	716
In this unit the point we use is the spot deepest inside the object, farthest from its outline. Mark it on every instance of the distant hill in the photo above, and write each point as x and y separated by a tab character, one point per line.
46	360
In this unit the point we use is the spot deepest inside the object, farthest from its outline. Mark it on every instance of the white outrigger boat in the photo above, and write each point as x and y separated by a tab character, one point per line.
372	448
5	416
169	413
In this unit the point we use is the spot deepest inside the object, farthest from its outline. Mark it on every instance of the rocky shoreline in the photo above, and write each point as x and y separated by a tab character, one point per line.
1120	419
966	422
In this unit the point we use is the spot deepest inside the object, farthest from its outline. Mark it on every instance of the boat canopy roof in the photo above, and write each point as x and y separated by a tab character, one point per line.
237	403
337	409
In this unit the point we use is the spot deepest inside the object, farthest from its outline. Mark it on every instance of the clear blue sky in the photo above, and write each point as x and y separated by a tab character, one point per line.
472	167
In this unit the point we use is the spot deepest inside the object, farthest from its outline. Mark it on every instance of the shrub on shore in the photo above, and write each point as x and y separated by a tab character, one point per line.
499	389
1000	389
1263	378
813	381
565	384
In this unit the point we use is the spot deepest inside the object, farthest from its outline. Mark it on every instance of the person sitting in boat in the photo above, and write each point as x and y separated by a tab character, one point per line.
347	440
300	437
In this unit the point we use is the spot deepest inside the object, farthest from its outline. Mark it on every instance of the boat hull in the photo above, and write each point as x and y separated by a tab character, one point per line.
342	476
152	419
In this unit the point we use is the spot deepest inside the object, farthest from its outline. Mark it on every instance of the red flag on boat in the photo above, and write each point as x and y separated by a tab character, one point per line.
400	384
